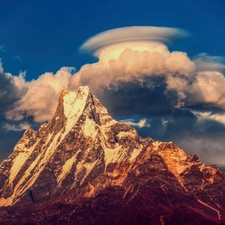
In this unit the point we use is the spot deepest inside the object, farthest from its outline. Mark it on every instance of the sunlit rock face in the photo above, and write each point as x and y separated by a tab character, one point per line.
83	167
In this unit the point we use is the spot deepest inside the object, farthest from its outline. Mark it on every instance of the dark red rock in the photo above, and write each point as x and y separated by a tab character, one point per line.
102	172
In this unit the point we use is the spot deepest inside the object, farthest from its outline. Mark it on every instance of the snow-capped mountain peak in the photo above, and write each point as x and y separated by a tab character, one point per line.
77	111
82	149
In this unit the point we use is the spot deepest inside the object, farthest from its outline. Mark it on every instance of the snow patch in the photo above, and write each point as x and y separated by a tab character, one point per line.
135	153
106	120
112	155
5	201
156	145
67	168
19	160
89	167
110	123
74	104
126	134
90	128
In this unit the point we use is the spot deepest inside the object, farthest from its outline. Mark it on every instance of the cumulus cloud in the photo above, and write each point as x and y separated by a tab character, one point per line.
208	88
133	54
12	88
135	66
40	99
21	99
151	68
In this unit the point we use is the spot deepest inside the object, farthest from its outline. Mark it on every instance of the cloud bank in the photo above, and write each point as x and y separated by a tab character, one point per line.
37	98
137	76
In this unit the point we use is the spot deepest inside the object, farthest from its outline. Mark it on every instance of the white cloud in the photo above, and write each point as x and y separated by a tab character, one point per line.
2	48
209	88
165	122
136	66
141	123
205	62
18	58
133	54
132	34
40	99
16	127
219	117
1	68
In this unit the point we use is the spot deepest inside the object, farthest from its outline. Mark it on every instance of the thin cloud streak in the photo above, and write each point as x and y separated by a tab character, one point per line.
205	62
2	48
16	127
140	124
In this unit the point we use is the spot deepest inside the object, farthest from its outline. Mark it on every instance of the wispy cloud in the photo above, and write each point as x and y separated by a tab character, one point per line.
141	123
16	127
2	48
18	58
219	117
205	62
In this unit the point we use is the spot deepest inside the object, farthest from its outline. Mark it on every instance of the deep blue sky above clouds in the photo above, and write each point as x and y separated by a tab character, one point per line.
41	36
45	35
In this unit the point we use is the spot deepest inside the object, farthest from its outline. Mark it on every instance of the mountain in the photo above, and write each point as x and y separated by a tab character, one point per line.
83	167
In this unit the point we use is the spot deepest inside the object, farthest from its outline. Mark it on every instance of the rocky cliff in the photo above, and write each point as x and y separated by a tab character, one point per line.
83	167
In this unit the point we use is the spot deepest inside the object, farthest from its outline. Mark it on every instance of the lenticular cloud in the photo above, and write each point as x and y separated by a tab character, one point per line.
110	44
132	34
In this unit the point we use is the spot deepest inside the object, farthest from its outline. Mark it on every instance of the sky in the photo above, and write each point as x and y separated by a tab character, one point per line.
171	90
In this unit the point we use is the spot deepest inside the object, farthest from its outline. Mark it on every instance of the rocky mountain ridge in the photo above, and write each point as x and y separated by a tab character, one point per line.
101	171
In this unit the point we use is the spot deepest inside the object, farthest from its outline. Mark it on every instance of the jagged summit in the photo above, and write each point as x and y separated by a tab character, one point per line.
73	104
94	165
79	115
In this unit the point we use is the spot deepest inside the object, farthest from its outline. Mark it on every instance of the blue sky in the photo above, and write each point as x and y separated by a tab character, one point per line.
40	36
44	36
